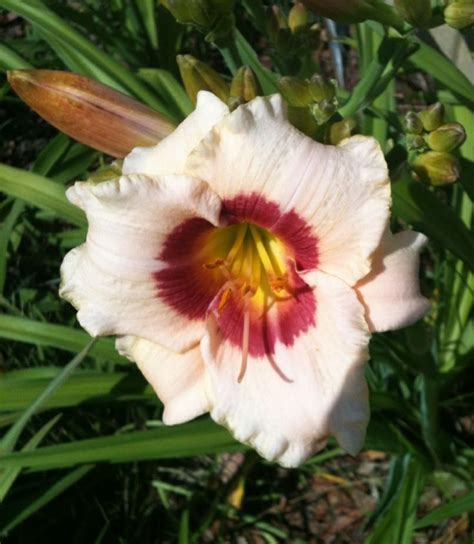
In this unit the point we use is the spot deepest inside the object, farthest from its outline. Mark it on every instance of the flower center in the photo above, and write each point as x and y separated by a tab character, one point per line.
252	262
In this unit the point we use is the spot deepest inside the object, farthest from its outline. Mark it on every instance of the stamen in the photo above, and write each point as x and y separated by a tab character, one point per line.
224	299
216	264
262	252
239	240
245	337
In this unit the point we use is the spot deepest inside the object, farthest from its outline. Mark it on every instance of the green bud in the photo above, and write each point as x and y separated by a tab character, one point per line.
341	130
436	167
432	117
107	172
302	119
244	87
460	14
321	88
447	137
416	12
201	13
295	91
323	110
416	142
413	124
198	76
298	18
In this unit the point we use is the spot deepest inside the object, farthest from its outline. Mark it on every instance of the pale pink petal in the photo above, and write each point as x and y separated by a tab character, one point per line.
169	156
112	278
391	292
177	378
285	420
342	193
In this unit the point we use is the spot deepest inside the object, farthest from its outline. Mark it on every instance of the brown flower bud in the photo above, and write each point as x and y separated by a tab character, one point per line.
90	112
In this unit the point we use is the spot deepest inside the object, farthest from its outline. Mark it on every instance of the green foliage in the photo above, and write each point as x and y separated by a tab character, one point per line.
88	431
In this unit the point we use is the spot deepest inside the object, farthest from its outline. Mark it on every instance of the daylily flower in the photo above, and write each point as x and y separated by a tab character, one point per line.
243	267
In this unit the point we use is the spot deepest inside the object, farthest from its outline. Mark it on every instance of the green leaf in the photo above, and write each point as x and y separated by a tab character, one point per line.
396	520
9	475
40	192
146	9
19	388
7	228
420	207
195	438
380	72
9	440
11	60
456	507
27	330
169	89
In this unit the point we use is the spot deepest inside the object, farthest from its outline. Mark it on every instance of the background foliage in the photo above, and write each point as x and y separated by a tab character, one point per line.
84	454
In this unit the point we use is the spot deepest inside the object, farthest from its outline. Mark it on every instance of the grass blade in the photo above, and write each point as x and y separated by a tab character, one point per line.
27	330
10	438
40	192
195	438
19	388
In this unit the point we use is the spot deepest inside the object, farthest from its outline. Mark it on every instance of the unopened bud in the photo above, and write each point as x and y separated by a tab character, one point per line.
416	142
447	137
413	124
276	22
244	87
432	117
109	171
90	112
436	167
198	76
200	13
298	18
323	110
416	12
460	14
321	88
295	91
341	130
302	119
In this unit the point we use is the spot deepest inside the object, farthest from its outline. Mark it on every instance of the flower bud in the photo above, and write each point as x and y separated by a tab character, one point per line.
432	117
321	88
413	124
302	119
341	130
276	22
416	142
295	91
323	110
201	13
460	14
298	18
244	87
447	137
198	76
436	167
90	112
416	12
